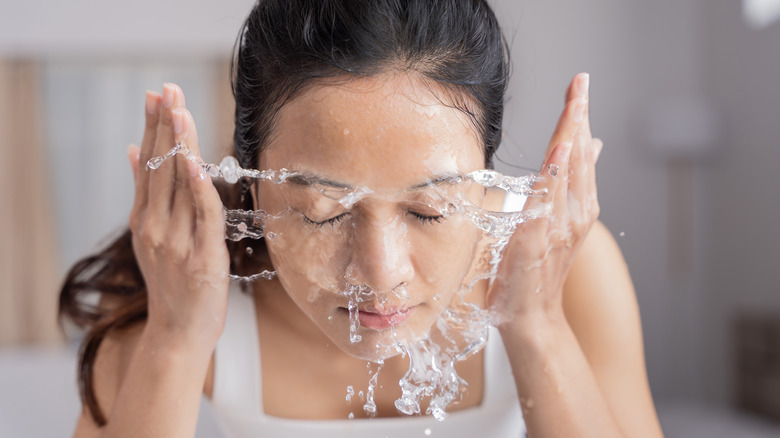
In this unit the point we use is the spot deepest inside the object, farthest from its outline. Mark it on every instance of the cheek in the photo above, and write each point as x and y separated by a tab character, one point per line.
307	261
445	252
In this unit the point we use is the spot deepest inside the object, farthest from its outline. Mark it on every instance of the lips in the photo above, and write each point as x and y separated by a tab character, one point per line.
384	320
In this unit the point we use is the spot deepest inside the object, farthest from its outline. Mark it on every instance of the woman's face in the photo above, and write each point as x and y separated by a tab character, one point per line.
377	160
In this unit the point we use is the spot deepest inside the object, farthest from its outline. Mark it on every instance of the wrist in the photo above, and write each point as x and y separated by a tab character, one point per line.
537	328
180	343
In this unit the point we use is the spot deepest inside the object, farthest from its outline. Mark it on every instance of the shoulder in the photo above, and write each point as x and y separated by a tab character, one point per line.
111	365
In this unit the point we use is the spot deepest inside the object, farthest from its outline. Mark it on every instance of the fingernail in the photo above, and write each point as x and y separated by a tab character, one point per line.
178	123
597	151
579	110
583	84
168	90
151	108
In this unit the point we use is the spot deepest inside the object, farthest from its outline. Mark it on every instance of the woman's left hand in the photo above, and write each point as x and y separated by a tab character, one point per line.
536	261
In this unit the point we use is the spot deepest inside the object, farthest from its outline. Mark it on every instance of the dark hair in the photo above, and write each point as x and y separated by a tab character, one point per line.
283	47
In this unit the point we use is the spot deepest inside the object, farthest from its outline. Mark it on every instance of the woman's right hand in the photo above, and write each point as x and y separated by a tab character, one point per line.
178	229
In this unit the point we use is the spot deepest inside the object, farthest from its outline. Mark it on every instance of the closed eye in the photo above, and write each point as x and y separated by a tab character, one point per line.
332	221
425	219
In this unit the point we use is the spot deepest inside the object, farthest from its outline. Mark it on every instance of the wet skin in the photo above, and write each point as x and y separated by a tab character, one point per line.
390	133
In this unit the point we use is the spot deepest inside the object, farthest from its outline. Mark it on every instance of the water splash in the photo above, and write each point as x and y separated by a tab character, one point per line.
267	275
156	162
522	185
354	322
460	331
228	169
370	406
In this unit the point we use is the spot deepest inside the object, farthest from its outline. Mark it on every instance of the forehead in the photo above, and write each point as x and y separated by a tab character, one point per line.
380	132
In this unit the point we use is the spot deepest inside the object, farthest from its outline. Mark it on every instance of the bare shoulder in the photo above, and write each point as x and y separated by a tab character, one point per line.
110	368
601	307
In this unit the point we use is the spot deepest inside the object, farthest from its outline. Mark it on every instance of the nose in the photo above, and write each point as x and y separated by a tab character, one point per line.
380	255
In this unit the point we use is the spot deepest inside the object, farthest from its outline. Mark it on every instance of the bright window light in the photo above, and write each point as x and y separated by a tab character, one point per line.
761	13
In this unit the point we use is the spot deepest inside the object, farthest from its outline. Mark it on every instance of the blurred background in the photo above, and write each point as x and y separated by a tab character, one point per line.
684	93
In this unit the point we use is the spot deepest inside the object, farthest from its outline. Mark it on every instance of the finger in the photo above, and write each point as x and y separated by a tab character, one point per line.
133	153
554	173
209	218
578	86
161	180
153	100
573	113
581	164
183	214
561	196
594	151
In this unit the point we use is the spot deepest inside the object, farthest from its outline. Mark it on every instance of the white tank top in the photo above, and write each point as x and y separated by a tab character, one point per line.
237	392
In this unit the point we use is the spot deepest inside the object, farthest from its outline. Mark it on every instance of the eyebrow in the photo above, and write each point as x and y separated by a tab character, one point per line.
309	179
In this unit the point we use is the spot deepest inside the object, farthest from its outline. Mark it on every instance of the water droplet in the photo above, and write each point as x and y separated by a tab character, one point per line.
370	406
428	431
350	393
346	131
552	169
354	323
249	251
351	416
268	275
622	233
230	169
155	163
436	297
330	318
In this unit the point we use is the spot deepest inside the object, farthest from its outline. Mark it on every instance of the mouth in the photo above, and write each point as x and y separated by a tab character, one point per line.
381	320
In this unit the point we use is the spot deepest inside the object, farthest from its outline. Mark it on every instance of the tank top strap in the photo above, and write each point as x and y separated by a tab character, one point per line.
237	381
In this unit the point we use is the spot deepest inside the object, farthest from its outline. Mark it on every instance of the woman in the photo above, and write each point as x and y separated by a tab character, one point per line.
386	95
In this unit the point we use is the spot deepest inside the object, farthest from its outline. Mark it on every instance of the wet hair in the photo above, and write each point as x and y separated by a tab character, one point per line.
454	46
